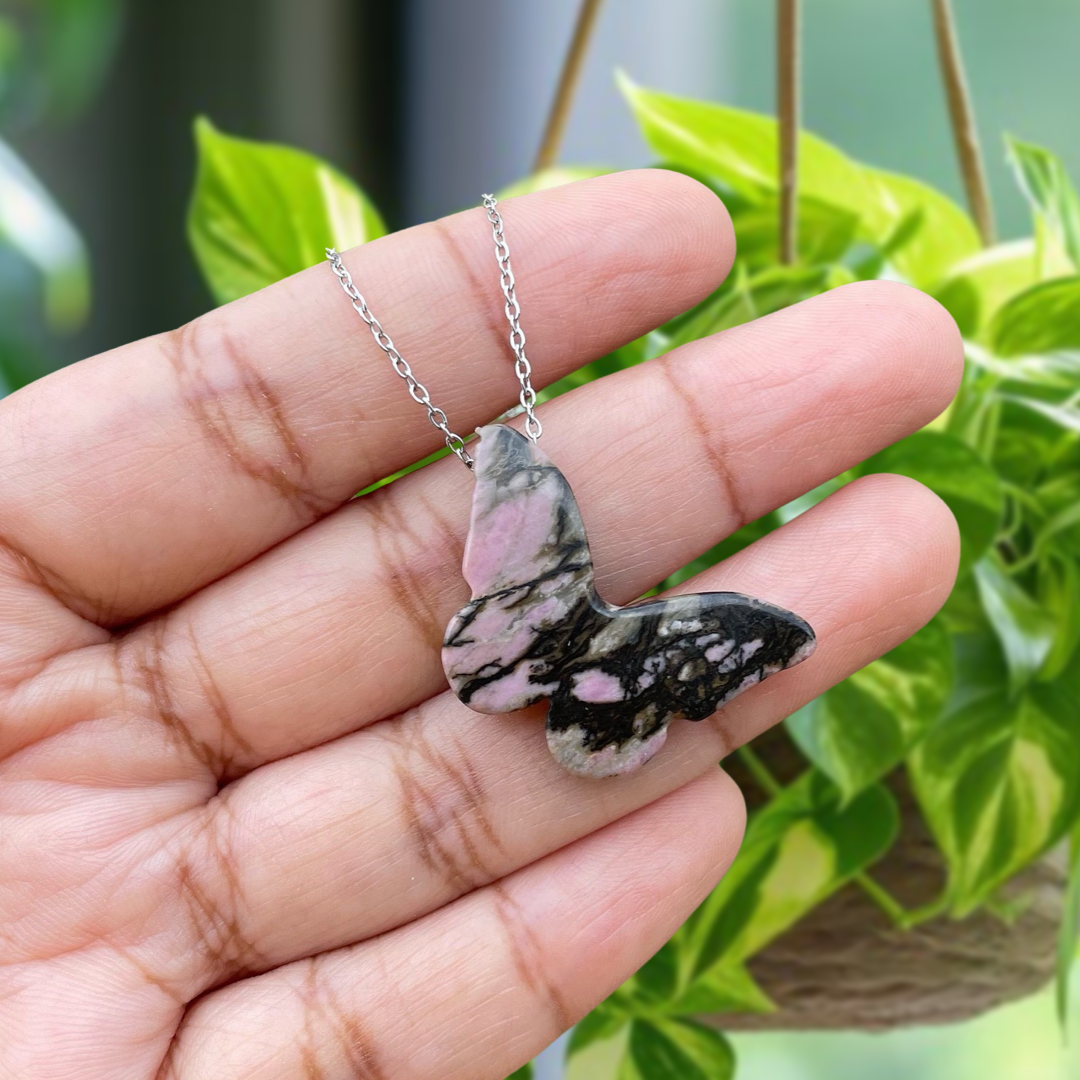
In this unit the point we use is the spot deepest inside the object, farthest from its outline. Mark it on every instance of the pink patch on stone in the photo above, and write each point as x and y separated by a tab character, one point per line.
513	691
717	652
509	538
596	686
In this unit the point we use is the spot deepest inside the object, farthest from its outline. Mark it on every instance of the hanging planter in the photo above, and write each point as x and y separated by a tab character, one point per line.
846	965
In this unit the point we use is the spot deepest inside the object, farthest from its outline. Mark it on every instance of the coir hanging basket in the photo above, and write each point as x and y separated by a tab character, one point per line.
845	966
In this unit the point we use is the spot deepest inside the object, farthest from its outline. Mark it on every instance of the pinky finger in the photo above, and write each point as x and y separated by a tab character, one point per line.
478	988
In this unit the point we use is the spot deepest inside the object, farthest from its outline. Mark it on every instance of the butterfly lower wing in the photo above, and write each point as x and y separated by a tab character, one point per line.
597	739
654	662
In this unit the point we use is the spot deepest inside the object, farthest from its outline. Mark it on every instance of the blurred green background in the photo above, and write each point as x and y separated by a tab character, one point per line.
426	102
116	223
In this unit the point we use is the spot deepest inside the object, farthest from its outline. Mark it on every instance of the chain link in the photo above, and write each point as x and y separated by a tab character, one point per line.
522	367
417	390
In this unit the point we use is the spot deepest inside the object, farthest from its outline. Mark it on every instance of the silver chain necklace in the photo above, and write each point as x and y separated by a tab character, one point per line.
417	391
536	628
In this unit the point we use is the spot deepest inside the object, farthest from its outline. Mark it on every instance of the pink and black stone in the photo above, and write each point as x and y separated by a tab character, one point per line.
536	628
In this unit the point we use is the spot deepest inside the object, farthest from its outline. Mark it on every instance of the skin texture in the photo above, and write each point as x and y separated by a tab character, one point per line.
245	829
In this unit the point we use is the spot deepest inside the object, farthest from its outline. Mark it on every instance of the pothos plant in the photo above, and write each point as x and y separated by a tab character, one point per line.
982	707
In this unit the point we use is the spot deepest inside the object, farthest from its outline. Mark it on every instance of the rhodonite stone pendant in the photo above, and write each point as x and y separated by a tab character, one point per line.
536	628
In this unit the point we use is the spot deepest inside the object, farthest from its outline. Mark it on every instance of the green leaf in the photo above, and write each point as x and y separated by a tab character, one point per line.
664	987
723	989
862	728
1024	628
602	1023
1059	596
657	978
998	778
20	363
1046	185
1054	371
740	149
34	225
975	288
1042	319
524	1073
799	849
549	178
955	472
754	295
963	612
945	235
666	1049
1066	416
826	232
261	212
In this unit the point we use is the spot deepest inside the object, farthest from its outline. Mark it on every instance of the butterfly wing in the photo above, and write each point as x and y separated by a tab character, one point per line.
527	563
720	644
657	661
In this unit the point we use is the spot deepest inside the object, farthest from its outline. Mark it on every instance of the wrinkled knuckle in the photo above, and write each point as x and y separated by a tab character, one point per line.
711	451
527	960
211	893
335	1041
164	677
459	244
404	566
240	413
445	812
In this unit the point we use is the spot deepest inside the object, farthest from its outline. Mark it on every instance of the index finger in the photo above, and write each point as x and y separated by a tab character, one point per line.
134	478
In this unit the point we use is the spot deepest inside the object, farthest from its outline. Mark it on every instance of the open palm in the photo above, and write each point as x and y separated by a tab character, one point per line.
245	830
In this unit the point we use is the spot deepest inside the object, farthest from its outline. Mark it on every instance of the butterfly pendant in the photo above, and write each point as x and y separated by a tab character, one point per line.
536	628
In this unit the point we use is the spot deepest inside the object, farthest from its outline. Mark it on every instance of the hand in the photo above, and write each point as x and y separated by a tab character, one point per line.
245	831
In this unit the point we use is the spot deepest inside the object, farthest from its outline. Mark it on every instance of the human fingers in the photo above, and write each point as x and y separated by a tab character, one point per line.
133	478
478	988
342	624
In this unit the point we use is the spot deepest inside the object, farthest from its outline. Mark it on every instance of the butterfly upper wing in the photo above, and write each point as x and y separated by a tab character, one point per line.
527	563
661	660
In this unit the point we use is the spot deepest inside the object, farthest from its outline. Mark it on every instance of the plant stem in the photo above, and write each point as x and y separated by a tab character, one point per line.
935	909
548	154
901	917
897	913
760	772
788	79
962	116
